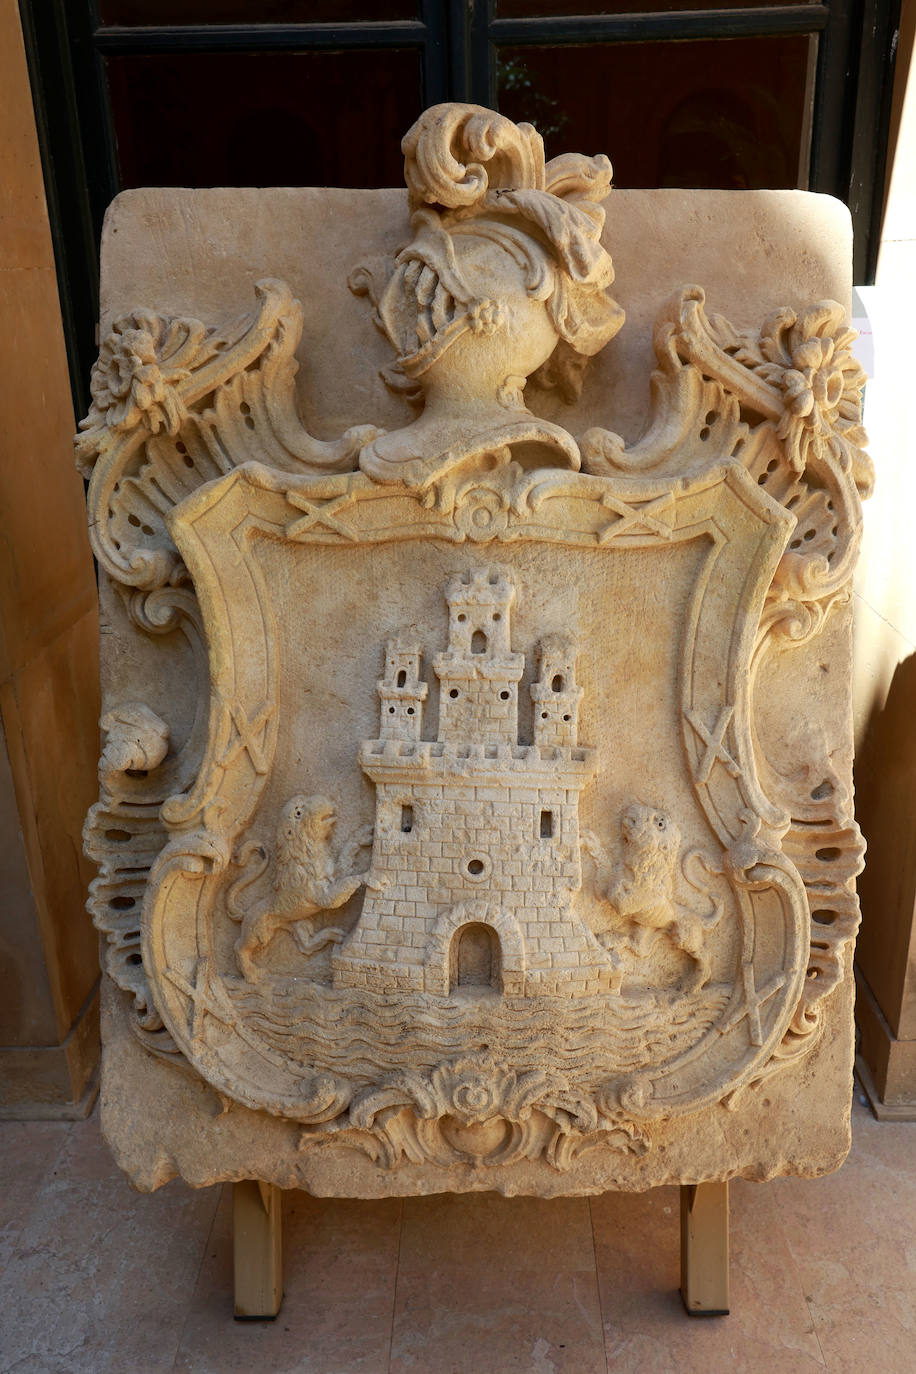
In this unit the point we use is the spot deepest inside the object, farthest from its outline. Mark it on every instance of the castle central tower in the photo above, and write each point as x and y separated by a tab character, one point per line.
478	672
475	853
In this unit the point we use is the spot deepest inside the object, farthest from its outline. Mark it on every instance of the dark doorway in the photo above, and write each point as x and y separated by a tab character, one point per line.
475	960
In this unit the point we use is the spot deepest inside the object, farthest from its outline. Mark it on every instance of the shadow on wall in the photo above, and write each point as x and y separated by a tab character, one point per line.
885	779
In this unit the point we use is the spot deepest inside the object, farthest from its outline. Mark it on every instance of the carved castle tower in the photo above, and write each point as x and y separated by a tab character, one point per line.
401	693
478	673
475	854
556	695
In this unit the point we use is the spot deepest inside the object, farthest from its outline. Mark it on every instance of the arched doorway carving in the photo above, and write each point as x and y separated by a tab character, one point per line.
475	957
444	946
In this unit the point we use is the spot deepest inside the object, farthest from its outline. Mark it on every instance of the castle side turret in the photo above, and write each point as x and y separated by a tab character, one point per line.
478	672
556	695
401	692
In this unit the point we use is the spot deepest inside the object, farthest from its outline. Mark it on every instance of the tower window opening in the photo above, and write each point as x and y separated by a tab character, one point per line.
410	711
546	825
453	693
406	819
478	642
402	678
504	696
391	710
557	684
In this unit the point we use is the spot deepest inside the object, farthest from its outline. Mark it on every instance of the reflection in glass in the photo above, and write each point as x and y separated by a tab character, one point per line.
717	113
263	119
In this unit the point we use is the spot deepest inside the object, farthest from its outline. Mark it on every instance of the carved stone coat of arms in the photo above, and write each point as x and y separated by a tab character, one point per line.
475	793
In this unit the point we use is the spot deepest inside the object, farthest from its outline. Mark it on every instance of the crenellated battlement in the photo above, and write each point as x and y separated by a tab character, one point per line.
382	758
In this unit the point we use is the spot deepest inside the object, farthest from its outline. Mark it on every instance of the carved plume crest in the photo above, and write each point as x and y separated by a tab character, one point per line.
472	172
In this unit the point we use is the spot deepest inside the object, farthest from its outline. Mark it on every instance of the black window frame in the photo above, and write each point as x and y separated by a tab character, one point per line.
457	42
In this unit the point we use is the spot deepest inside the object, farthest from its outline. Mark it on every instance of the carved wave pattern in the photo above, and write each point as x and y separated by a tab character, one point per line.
595	1036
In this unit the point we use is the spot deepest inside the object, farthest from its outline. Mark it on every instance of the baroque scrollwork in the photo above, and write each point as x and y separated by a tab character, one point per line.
467	1000
785	401
175	403
139	768
478	1111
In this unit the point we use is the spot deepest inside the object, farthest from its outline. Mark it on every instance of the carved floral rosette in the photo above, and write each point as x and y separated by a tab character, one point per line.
751	463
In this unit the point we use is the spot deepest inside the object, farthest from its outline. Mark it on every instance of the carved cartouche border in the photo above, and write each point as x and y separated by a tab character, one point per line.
177	403
214	530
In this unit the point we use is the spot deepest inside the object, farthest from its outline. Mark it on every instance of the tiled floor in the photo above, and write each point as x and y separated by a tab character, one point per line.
96	1278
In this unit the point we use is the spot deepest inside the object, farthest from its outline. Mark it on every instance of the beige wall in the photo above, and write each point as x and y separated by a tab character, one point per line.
48	650
886	577
886	640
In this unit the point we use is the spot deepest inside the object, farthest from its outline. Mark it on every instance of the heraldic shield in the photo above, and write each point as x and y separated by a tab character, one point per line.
473	866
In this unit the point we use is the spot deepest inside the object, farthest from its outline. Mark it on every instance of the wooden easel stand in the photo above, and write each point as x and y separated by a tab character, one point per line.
259	1265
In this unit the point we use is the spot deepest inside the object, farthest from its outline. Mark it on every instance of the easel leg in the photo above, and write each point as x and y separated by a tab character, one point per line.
704	1249
256	1234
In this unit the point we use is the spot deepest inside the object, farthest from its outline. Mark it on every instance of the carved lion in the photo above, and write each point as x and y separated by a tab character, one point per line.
643	886
642	890
303	882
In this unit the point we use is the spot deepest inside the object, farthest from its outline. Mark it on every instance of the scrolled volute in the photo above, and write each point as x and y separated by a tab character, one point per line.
176	403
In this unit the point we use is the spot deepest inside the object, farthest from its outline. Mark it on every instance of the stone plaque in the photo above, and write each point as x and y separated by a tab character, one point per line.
475	794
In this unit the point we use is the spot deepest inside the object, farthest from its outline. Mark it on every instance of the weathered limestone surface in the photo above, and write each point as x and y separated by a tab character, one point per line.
475	799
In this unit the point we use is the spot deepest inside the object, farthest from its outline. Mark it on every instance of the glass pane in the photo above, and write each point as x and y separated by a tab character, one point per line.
264	119
717	113
543	9
132	12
